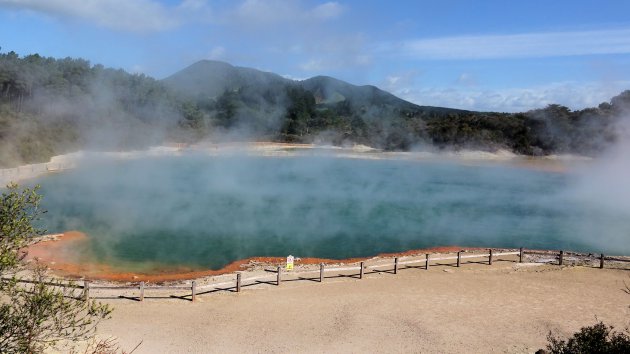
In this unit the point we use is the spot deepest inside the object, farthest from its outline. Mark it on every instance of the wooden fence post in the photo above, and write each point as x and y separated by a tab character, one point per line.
278	280
520	255
561	257
86	289
459	258
141	291
361	271
396	265
490	257
238	282
426	262
321	272
601	261
194	291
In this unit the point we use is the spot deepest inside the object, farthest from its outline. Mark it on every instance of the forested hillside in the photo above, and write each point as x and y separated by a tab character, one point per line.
52	106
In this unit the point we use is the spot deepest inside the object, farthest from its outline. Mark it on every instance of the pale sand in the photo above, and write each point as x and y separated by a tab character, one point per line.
552	163
503	308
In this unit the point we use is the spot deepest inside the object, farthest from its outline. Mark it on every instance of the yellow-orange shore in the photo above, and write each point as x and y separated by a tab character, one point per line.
56	253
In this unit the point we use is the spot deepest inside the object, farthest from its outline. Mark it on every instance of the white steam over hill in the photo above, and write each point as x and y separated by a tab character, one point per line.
53	106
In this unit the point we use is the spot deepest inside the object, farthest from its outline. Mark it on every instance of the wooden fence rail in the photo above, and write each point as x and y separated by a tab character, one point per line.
395	265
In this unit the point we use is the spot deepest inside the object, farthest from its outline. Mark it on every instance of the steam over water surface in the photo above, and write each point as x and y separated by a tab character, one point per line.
205	212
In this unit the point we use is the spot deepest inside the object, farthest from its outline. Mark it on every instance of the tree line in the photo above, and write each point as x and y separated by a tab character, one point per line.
51	106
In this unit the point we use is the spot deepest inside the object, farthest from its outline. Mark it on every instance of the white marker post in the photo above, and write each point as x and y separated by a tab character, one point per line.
289	262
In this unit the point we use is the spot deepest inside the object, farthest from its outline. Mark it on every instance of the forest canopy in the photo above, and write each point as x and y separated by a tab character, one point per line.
52	106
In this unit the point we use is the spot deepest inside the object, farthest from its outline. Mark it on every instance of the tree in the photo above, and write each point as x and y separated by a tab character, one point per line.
596	339
18	212
41	314
226	109
300	112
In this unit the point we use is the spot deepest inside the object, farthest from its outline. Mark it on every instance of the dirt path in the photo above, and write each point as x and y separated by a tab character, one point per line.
504	308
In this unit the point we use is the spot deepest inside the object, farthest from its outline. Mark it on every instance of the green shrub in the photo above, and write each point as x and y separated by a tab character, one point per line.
595	339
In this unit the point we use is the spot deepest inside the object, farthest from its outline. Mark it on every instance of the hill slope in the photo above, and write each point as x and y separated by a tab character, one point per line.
210	78
50	106
323	108
317	109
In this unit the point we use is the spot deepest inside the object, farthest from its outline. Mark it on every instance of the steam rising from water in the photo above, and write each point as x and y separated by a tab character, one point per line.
202	211
604	186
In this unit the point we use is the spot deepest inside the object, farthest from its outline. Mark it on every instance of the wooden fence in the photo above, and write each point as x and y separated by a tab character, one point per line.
193	290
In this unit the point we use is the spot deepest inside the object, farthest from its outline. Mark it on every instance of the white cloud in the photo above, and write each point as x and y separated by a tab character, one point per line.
137	69
193	5
467	79
294	78
392	80
335	53
571	94
524	45
124	15
335	61
401	83
327	10
269	12
314	65
141	15
154	15
217	53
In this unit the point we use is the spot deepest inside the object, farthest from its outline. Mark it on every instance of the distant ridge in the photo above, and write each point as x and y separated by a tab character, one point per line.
211	78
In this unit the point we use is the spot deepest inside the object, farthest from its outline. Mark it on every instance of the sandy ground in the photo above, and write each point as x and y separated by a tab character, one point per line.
503	308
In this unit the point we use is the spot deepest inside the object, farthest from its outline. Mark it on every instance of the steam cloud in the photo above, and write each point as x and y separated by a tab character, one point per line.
603	187
208	211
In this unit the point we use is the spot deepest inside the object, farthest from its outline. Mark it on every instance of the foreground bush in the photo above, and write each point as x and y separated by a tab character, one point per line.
39	315
595	339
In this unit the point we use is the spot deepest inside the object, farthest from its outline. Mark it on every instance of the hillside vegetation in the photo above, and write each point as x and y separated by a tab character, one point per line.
50	106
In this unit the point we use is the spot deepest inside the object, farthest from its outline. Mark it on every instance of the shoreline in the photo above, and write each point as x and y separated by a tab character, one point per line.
63	257
58	253
51	250
59	163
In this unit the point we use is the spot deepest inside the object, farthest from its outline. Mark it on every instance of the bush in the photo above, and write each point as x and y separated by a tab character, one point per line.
39	316
595	339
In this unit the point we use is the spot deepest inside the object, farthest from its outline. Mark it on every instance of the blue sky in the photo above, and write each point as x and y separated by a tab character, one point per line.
482	55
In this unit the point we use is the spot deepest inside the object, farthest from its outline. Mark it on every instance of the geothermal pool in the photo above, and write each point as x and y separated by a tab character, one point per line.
204	212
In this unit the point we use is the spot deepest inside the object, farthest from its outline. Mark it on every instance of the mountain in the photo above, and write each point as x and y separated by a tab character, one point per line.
321	108
210	78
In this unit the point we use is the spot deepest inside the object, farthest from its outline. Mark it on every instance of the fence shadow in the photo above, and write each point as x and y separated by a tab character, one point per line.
180	297
269	282
132	298
231	289
378	271
313	279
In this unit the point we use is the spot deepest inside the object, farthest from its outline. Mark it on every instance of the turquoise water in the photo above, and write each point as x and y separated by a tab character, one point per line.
205	212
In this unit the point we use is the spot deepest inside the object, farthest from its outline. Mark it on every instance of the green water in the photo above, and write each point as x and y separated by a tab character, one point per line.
205	212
